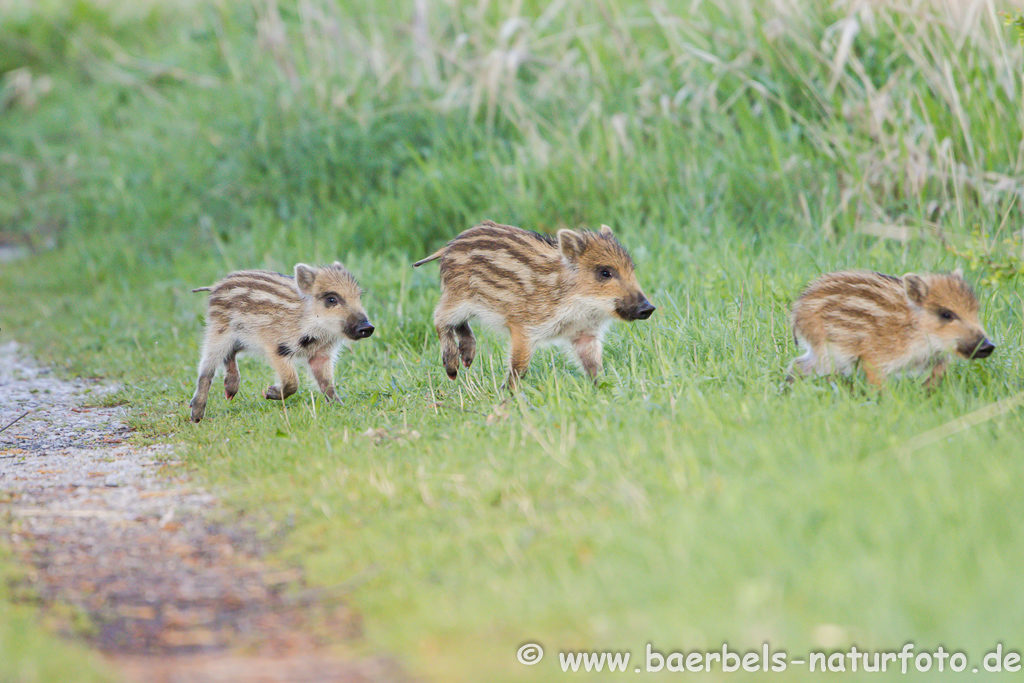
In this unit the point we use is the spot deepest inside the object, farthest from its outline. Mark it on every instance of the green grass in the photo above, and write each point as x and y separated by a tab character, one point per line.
688	500
31	652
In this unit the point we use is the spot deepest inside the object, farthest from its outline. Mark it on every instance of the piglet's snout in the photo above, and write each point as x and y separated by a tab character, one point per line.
979	347
982	350
362	329
644	310
638	308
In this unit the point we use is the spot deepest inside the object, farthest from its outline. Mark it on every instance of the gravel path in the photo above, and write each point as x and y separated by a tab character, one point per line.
66	457
174	588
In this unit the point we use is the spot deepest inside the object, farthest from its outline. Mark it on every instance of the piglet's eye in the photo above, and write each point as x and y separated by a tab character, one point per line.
946	314
604	273
331	300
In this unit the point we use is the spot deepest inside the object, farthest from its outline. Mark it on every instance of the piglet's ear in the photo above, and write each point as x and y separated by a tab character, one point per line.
570	243
304	277
916	288
959	272
605	230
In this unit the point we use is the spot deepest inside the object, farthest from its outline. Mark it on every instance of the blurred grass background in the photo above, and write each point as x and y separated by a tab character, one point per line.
737	149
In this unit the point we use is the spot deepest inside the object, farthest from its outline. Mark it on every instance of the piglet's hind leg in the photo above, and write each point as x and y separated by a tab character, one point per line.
287	377
467	343
231	377
198	402
449	350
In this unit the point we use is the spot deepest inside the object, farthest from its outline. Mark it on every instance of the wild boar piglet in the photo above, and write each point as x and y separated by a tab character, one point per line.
283	319
890	324
564	289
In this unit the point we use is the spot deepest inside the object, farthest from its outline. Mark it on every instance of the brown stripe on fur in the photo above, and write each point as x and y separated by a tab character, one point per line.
846	290
247	304
483	282
528	238
493	241
851	316
231	289
891	278
535	261
260	274
220	316
487	261
278	285
483	287
486	265
263	276
484	243
475	278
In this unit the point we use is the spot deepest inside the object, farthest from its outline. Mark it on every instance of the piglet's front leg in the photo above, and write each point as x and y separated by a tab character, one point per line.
938	370
322	366
519	361
588	351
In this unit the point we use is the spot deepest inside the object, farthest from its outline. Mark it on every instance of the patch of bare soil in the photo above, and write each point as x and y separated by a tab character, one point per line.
171	587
